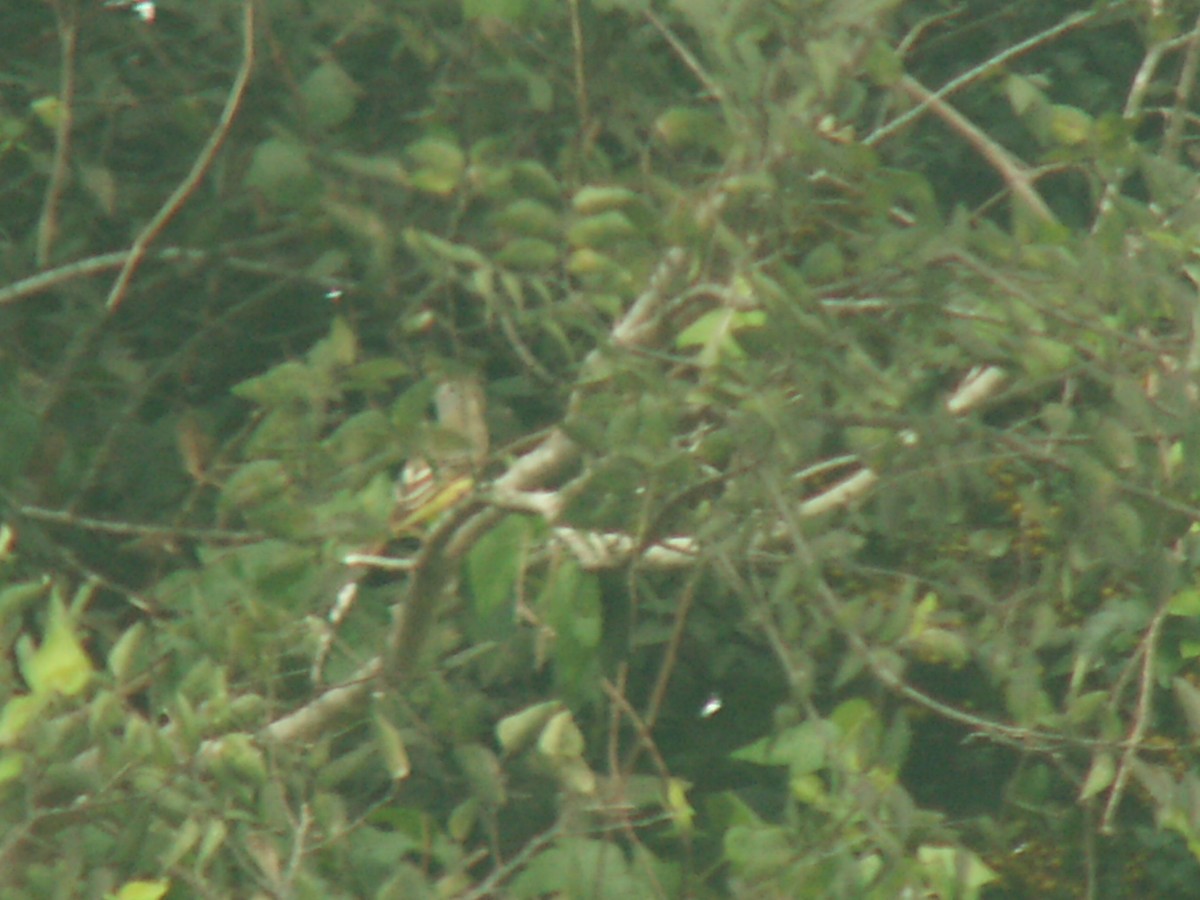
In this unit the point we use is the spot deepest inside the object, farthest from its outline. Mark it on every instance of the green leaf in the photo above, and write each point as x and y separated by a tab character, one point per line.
561	737
184	839
494	564
329	95
437	164
686	128
484	774
16	598
940	646
122	656
11	765
527	218
824	263
714	333
1023	94
59	664
18	712
142	890
432	248
593	199
801	748
580	867
601	230
284	384
1069	126
532	178
463	819
1187	695
515	732
955	872
336	350
1186	603
1042	356
391	746
380	167
281	171
236	759
255	484
1100	775
363	436
528	255
48	110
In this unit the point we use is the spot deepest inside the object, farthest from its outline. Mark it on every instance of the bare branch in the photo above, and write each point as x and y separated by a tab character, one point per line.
881	134
1012	170
1141	717
47	230
189	184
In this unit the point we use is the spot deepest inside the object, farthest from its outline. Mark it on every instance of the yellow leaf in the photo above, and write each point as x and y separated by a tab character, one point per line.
678	806
142	890
59	664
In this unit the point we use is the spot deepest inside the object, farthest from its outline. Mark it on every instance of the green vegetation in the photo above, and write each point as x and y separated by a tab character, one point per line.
599	448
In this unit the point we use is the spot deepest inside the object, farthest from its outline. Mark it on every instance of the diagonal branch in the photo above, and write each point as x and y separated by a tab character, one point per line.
1071	22
1011	169
189	184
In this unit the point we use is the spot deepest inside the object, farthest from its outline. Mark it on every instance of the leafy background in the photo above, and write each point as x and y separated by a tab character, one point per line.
835	534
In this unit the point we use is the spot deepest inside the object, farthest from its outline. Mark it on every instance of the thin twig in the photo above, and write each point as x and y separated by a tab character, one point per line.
487	887
581	91
1141	716
47	230
105	262
835	609
980	71
189	184
662	681
1144	76
1012	170
313	719
133	529
689	59
1173	140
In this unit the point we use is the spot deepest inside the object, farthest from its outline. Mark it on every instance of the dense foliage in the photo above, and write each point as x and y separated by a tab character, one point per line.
599	448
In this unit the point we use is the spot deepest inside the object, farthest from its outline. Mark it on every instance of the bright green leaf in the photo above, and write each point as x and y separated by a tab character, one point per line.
437	164
142	890
801	748
58	664
1100	775
593	199
561	737
515	732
